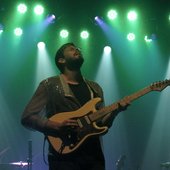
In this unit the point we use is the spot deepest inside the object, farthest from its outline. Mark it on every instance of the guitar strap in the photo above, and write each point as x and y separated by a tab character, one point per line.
91	92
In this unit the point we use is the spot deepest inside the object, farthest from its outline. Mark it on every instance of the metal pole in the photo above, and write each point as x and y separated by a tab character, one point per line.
29	159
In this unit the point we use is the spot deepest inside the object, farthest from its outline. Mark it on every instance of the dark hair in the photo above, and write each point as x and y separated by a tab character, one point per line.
59	54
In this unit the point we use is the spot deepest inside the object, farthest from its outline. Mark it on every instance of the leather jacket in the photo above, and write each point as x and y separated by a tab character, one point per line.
53	96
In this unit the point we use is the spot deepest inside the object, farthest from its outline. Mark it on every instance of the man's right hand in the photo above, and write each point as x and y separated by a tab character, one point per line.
58	128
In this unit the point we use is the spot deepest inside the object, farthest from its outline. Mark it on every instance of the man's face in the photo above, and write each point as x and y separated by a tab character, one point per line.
73	58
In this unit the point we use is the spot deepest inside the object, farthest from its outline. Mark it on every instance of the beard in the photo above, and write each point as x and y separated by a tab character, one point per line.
74	63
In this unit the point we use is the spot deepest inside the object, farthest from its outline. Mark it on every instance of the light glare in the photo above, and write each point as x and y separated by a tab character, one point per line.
51	18
131	36
107	49
18	31
22	8
41	45
64	33
84	34
39	9
132	15
112	14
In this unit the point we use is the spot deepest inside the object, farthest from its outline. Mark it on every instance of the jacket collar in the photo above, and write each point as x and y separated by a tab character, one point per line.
68	92
66	88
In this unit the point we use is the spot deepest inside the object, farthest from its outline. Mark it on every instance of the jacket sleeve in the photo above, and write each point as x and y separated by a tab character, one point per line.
33	116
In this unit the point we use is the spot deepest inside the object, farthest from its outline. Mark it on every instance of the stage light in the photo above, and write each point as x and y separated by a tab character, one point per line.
131	36
1	28
84	34
112	14
96	18
64	33
151	37
132	15
22	8
147	39
18	31
51	18
41	45
107	49
38	9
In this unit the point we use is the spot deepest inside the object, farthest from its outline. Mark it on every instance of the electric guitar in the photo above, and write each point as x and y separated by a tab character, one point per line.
88	116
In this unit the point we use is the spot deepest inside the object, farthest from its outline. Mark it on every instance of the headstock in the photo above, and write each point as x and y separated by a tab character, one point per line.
160	85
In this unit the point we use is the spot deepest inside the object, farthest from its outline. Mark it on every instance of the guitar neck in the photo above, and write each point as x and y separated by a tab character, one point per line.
113	107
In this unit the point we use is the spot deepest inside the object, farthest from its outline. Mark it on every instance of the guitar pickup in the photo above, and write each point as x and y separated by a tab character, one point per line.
79	123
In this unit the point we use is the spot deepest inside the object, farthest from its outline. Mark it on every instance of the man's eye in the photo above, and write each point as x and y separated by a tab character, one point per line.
72	49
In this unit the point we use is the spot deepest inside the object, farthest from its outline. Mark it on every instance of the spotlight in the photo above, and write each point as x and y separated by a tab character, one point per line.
41	45
131	36
84	34
22	8
51	18
64	33
98	20
132	15
38	9
107	49
112	14
18	31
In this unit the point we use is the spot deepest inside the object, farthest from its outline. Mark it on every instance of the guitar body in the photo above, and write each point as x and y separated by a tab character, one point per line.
73	138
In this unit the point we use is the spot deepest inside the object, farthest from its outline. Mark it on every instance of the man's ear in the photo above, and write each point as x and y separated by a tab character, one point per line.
61	60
